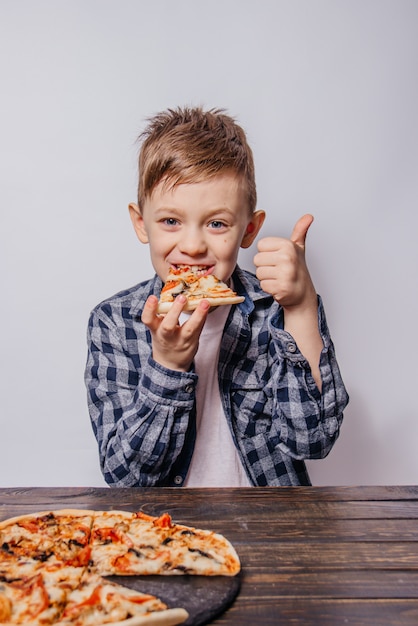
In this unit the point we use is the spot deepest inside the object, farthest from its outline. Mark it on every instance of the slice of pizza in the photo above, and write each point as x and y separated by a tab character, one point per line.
196	284
72	598
99	601
47	537
39	598
124	543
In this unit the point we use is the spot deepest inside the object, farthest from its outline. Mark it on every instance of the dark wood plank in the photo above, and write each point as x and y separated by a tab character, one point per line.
290	494
319	612
247	504
316	530
330	584
314	556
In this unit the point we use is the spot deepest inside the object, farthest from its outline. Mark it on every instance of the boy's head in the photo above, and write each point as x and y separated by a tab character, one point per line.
196	192
188	145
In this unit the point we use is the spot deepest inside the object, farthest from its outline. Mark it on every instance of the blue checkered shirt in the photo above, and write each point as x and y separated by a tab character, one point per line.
143	414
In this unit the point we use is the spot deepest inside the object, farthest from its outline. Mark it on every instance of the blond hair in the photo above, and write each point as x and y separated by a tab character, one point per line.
188	145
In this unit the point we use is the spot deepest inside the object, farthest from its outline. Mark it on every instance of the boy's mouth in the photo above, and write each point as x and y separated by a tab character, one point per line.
199	270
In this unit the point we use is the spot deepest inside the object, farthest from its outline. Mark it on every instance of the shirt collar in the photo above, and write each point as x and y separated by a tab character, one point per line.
144	290
247	285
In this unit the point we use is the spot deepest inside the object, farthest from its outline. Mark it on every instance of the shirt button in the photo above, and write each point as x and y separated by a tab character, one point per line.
178	480
291	347
189	388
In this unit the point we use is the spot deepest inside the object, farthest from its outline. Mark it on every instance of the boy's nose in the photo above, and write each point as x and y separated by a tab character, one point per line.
193	244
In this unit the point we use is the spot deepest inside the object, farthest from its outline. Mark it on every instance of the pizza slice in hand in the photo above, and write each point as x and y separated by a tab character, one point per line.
196	284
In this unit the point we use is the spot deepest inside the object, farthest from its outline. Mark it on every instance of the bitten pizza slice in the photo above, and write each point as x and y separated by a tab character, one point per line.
125	543
196	284
99	601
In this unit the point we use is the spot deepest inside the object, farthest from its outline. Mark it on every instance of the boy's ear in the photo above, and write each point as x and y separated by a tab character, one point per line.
253	228
138	222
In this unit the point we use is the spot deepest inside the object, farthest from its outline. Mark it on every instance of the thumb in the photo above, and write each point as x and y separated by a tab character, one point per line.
300	230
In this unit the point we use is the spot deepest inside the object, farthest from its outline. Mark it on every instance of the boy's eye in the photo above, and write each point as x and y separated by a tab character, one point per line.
170	221
216	224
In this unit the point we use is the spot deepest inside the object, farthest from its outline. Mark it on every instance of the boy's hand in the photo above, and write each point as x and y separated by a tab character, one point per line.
281	266
174	346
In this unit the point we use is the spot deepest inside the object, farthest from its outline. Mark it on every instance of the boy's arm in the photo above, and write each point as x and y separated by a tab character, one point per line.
302	324
282	271
305	420
140	411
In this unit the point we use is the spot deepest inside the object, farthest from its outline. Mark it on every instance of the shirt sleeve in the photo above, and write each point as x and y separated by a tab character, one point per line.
307	421
139	410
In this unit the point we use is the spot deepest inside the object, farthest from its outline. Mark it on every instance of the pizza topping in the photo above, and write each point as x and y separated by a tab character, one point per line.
164	521
111	535
5	546
5	607
81	559
40	599
30	601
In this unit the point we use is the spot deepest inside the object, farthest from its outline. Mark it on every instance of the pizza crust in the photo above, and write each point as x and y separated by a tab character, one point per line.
191	305
168	617
32	516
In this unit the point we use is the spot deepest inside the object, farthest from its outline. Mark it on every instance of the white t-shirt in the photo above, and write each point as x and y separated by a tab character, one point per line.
215	461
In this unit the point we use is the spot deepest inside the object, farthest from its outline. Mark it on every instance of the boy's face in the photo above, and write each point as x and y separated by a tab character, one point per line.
202	224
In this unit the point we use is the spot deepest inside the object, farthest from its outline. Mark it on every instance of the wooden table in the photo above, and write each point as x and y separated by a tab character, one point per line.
310	555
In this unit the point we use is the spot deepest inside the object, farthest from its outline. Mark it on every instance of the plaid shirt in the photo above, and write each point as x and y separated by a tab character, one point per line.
143	415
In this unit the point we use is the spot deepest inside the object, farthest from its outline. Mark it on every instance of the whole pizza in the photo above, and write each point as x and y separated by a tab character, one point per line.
54	564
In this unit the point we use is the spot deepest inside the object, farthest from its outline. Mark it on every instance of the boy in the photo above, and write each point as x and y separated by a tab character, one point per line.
234	396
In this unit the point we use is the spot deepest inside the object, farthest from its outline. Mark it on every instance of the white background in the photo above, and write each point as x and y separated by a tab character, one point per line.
327	92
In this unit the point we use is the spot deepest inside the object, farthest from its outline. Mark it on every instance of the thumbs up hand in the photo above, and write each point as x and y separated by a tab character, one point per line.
281	266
